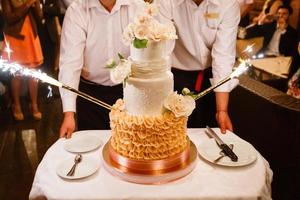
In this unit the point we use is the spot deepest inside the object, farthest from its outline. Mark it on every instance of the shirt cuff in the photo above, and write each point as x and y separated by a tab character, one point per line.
226	87
69	104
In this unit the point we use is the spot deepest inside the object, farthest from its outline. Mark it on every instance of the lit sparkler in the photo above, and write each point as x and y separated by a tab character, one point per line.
249	48
246	54
242	68
7	48
16	69
50	91
261	55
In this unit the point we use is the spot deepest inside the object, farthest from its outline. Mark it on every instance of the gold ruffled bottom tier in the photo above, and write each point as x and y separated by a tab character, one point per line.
147	137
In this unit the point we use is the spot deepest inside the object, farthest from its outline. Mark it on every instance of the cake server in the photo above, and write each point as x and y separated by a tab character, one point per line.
226	149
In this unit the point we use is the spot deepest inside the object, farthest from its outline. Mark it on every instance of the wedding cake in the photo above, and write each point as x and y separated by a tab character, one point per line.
150	122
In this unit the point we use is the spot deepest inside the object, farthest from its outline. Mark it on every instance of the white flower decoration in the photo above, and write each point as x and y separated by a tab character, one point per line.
140	31
121	71
146	27
180	105
128	35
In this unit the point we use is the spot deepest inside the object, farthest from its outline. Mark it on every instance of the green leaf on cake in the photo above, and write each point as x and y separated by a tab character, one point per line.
140	44
111	64
125	81
121	57
187	92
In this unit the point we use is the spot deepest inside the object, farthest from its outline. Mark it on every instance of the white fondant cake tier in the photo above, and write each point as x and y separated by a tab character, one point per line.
155	51
146	96
151	69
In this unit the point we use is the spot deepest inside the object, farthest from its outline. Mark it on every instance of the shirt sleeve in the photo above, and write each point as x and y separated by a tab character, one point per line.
73	40
224	47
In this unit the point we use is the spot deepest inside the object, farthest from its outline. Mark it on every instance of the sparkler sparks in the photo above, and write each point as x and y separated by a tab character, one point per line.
50	91
249	48
7	49
260	55
242	68
16	69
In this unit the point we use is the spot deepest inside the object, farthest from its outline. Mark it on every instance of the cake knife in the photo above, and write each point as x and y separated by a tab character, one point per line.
227	150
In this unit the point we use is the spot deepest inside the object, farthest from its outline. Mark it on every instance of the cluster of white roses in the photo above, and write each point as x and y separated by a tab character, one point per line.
146	28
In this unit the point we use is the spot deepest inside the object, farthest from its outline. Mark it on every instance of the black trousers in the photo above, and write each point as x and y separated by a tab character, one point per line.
91	116
204	113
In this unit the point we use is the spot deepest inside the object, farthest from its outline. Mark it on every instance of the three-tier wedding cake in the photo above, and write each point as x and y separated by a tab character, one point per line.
150	122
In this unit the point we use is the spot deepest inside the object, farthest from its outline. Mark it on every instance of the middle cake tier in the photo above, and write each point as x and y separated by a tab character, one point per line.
145	96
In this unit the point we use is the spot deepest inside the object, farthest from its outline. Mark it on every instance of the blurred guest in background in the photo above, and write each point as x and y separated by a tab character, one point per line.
245	8
205	49
294	82
267	15
53	12
279	37
21	34
2	25
295	17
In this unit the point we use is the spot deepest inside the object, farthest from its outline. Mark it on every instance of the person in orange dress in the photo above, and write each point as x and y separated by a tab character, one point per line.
21	35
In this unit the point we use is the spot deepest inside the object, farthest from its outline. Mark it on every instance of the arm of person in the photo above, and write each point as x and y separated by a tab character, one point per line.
14	15
256	19
254	31
73	40
274	7
37	11
269	17
245	9
223	59
222	117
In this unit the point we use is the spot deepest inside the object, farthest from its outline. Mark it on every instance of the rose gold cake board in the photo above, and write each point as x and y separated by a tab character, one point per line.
159	172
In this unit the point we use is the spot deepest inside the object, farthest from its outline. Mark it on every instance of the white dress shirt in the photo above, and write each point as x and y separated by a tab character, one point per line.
207	36
90	36
273	46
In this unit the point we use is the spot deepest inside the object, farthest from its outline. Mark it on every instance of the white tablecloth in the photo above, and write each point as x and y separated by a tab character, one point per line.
206	181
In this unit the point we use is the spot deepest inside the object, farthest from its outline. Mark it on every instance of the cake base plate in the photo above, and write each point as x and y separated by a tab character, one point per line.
154	177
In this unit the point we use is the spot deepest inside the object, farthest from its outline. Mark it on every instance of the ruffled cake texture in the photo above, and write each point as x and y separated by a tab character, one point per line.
147	137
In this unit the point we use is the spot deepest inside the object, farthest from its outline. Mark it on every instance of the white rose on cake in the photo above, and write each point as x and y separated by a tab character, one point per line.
141	31
180	105
119	73
128	35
